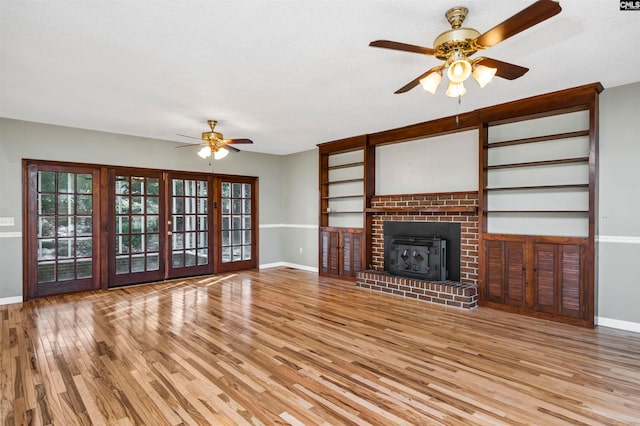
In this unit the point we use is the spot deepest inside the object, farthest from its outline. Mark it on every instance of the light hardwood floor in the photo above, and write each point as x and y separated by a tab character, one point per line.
288	347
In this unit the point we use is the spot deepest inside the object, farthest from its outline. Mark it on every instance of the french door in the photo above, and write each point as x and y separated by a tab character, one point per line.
63	227
137	225
156	236
190	223
91	226
237	216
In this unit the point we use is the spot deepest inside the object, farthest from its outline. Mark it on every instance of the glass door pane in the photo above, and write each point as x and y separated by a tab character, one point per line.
137	220
65	229
190	224
237	223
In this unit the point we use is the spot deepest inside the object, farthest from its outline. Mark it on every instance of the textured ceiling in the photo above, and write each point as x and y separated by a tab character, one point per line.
287	74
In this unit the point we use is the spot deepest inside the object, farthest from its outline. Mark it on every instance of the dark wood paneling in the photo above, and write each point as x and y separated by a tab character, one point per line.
571	278
341	251
334	253
441	126
515	267
495	265
545	277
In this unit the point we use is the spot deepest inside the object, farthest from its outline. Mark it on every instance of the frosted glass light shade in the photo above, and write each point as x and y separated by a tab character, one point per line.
483	75
459	71
205	152
431	82
221	153
455	89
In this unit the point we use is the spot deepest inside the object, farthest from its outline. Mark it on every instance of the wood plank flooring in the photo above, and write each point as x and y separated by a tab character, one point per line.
288	347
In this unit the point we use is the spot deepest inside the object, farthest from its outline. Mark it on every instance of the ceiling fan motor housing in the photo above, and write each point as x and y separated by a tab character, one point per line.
457	40
208	136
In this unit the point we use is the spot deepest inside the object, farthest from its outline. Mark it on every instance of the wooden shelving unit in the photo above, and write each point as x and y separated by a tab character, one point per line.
540	187
539	163
548	276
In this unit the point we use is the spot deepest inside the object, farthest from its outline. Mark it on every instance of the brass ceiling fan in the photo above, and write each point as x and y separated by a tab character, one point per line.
214	143
457	45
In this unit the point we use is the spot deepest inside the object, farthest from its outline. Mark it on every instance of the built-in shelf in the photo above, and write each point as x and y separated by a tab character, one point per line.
556	136
540	163
332	182
543	187
346	165
440	209
338	197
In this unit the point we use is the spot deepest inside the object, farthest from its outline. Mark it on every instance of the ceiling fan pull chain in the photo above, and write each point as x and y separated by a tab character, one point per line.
458	111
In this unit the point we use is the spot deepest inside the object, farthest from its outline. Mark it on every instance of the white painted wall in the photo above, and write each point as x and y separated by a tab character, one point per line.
438	164
619	208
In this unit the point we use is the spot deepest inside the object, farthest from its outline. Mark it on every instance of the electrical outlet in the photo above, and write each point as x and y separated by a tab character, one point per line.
7	221
300	250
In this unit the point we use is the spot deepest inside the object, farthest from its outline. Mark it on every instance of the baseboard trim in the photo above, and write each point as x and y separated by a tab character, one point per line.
288	265
619	324
10	300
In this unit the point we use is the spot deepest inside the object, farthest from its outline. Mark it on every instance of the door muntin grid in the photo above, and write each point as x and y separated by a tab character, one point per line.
137	224
189	223
64	226
236	221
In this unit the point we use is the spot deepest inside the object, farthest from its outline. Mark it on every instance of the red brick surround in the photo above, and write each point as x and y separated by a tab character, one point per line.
461	207
445	205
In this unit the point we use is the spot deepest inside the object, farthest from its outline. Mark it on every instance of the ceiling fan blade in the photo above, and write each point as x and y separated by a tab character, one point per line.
232	148
187	136
505	69
236	141
532	15
415	82
394	45
189	145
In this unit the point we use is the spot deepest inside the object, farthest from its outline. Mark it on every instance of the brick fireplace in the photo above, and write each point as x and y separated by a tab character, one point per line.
452	207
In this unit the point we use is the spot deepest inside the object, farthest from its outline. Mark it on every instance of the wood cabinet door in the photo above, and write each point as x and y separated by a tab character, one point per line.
341	251
559	277
351	244
573	280
495	266
329	252
506	272
515	273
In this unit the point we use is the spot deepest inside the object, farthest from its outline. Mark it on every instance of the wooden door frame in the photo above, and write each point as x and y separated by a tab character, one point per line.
29	216
203	269
109	199
219	266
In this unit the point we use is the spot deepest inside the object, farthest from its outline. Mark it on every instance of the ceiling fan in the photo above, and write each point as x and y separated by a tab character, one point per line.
214	143
458	44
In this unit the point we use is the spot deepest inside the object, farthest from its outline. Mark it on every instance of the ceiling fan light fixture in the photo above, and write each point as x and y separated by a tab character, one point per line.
431	82
220	153
205	152
459	70
483	74
455	90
